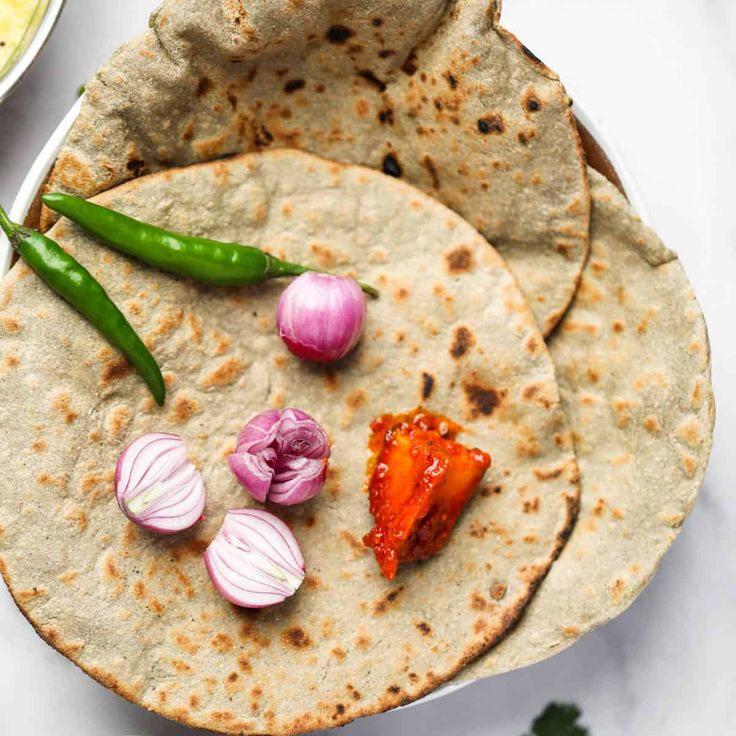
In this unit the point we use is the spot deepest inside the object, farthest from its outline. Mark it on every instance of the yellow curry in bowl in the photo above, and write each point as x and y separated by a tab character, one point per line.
19	20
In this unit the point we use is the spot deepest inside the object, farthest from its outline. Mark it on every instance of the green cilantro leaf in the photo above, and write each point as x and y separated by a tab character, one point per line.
558	719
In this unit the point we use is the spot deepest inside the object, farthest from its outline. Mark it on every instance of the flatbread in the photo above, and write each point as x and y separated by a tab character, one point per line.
451	330
633	365
436	93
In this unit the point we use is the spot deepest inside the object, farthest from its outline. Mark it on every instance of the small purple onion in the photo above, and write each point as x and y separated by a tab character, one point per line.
254	561
321	317
282	457
157	487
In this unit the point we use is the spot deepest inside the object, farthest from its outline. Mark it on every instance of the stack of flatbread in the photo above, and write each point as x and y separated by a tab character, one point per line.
422	147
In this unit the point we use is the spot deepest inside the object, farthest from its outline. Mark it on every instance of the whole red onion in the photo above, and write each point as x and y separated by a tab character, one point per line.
282	456
321	317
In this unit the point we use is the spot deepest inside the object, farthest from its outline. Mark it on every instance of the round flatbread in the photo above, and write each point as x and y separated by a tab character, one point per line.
633	365
435	93
451	330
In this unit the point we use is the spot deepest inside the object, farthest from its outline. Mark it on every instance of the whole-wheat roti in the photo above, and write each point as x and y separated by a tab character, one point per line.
436	93
633	366
451	330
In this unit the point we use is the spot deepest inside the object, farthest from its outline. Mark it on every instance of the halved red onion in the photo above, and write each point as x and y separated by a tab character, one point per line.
321	317
157	487
282	457
254	561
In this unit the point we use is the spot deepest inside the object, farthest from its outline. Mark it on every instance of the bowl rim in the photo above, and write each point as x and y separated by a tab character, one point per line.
33	49
43	163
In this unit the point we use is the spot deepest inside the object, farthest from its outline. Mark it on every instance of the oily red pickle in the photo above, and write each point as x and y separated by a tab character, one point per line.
420	481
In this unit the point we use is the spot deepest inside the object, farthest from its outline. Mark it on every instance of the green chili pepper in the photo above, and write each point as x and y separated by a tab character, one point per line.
72	281
200	259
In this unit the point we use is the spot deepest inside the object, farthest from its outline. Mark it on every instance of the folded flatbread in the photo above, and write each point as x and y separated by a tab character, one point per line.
633	366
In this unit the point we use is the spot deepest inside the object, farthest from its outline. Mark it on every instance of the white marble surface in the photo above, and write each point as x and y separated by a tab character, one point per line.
660	76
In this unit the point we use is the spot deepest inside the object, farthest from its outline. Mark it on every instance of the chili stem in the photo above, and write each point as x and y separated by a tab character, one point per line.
9	228
285	268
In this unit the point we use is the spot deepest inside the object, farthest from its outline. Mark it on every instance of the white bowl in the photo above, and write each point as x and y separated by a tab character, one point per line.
33	48
45	160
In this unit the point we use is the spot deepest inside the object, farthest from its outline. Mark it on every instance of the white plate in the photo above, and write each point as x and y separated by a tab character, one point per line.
45	160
